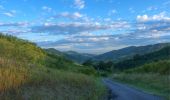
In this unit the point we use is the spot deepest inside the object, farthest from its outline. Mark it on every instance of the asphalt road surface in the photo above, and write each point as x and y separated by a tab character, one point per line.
118	91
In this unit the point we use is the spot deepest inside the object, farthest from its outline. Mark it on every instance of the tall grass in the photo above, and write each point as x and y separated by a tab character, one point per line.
48	84
29	73
17	56
12	74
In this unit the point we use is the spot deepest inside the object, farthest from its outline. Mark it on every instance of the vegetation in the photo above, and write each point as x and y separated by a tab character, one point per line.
149	72
139	60
31	73
28	72
161	67
153	77
153	83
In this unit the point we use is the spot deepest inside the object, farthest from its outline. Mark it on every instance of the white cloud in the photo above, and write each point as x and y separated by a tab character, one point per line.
47	8
15	31
111	12
21	24
159	17
9	14
142	18
75	15
79	27
80	4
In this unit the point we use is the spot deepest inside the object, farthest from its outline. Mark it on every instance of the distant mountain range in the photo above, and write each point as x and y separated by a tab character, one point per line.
72	55
129	52
114	55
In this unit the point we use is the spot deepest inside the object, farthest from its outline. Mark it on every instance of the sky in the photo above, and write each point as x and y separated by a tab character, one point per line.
87	26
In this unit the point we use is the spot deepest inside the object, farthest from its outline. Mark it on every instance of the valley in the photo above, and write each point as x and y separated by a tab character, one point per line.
28	72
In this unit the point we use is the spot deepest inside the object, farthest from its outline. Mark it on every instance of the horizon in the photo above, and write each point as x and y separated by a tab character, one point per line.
87	26
110	50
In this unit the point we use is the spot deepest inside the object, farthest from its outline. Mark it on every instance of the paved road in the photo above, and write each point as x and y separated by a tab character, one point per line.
123	92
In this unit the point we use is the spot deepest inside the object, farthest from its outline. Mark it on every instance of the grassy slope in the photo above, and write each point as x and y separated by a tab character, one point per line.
24	75
152	77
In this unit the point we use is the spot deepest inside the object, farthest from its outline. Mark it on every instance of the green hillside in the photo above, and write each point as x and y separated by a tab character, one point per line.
29	73
151	77
139	60
160	67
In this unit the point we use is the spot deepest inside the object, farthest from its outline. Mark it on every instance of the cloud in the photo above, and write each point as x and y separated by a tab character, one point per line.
67	28
154	26
9	14
80	36
78	27
21	24
15	31
80	4
75	15
81	43
45	8
14	28
112	12
154	32
159	17
102	43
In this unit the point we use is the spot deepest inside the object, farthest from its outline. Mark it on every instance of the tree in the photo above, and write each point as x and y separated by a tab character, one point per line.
88	63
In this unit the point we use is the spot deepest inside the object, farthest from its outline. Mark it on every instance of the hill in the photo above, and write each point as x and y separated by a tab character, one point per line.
160	67
115	55
139	60
152	77
129	52
54	51
72	55
149	72
78	57
27	72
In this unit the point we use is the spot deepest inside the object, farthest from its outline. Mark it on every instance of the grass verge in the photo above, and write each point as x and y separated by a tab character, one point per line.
153	83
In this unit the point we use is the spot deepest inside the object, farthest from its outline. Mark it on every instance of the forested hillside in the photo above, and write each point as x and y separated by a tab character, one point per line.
139	60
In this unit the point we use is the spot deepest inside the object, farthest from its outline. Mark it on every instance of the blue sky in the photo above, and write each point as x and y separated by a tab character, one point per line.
88	26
